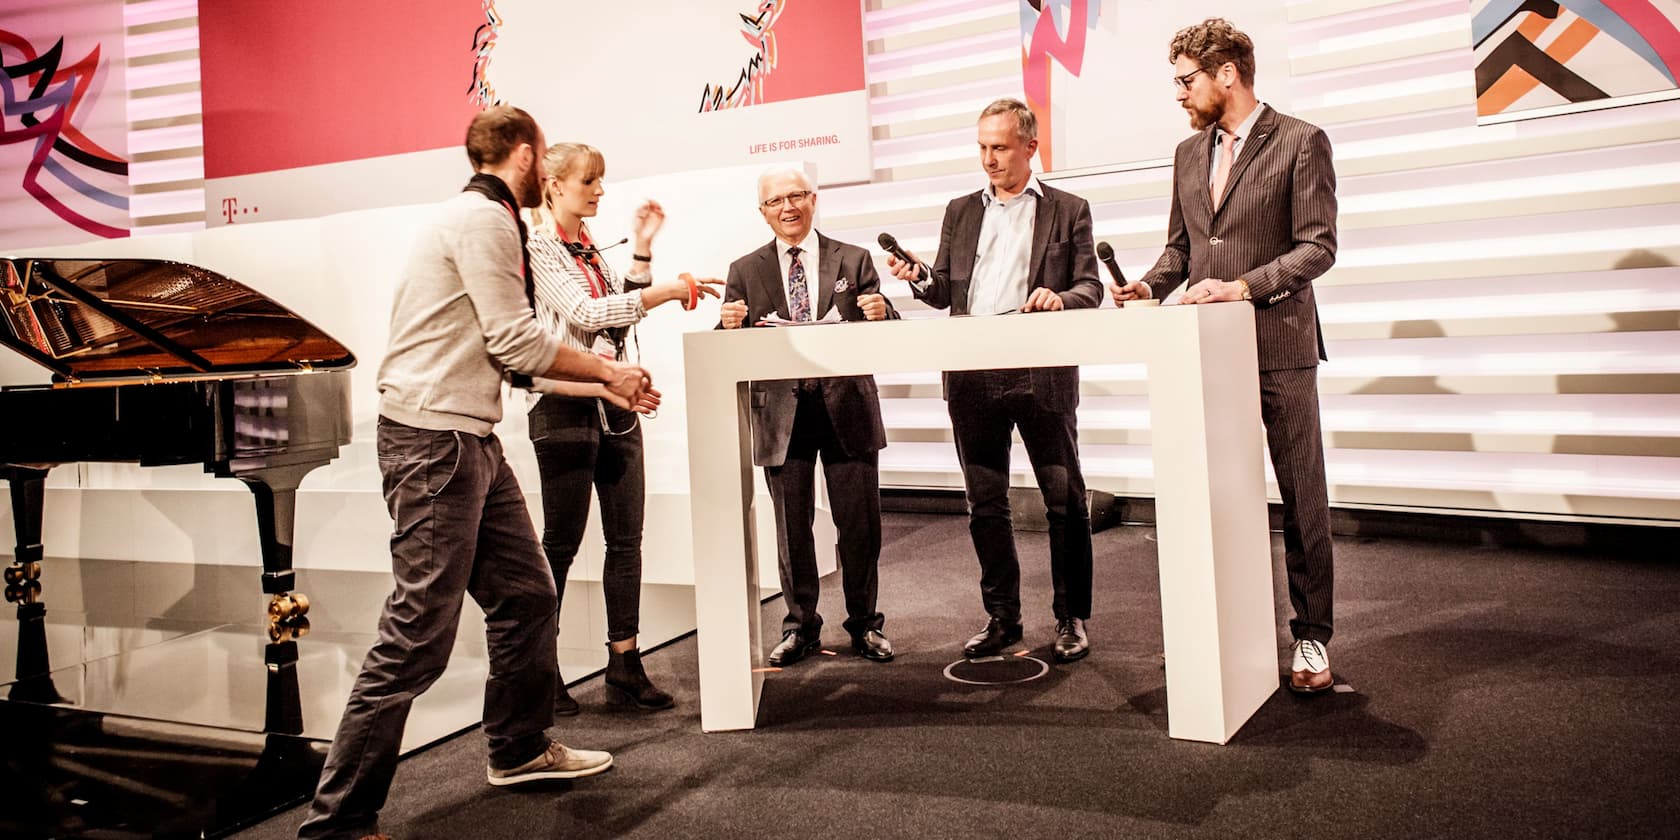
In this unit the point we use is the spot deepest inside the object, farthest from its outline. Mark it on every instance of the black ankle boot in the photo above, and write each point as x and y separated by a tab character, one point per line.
628	685
564	705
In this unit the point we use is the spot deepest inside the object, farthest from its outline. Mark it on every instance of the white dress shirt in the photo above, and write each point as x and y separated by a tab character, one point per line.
1003	257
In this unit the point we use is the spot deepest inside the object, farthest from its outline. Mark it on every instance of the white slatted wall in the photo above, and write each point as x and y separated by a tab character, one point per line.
1503	321
165	121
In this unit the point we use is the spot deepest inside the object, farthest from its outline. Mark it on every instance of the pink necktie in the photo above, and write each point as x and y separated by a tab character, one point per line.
1227	145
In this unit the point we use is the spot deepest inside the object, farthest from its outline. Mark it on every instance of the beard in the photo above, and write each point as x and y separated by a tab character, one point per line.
1201	118
530	189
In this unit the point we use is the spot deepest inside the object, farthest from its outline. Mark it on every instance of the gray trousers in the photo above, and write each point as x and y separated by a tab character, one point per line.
460	527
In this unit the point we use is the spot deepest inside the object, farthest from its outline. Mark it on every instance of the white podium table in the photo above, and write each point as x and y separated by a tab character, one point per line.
1204	407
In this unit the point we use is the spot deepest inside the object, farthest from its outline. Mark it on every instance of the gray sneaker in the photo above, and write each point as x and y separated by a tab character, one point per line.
557	762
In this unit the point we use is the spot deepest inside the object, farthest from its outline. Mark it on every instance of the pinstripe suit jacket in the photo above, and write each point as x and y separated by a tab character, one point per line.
1063	260
1276	229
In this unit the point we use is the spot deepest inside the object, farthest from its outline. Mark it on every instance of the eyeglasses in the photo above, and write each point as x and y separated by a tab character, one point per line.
1183	82
795	197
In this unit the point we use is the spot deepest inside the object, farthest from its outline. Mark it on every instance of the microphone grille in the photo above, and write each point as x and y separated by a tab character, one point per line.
886	241
1104	251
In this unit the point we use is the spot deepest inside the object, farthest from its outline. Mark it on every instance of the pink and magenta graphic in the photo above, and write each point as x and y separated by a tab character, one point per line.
43	97
794	54
1052	29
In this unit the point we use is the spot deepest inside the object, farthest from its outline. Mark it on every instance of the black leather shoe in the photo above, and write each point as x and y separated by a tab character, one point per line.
1071	641
564	705
872	645
794	647
992	640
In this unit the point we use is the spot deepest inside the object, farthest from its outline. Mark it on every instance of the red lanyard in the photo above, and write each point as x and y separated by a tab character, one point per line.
591	267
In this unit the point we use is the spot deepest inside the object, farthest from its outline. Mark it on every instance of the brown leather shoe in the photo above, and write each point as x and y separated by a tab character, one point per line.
1310	669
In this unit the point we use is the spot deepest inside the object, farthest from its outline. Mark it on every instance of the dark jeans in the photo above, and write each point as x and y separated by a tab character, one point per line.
574	454
985	406
854	491
460	527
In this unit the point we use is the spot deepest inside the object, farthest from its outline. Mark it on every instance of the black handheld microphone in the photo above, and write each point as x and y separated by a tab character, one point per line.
890	245
1106	255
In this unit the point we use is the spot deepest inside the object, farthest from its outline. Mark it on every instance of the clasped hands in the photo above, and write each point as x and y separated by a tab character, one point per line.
630	386
734	313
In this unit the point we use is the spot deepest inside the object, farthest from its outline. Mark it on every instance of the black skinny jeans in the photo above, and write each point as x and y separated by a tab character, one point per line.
573	454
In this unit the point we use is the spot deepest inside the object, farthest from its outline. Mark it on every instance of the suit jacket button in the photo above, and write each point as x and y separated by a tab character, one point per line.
1214	240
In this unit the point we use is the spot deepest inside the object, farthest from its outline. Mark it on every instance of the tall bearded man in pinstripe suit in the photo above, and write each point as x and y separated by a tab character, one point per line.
1254	219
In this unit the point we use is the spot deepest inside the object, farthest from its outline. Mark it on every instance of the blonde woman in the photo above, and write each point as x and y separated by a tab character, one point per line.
582	440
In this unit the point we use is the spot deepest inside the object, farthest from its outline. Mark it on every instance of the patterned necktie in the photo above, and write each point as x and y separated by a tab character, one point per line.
1227	146
799	299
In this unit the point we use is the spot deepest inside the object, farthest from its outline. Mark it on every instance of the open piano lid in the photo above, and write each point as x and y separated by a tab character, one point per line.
99	320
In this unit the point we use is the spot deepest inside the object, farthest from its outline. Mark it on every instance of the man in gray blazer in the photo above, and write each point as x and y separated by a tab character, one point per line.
1017	246
803	276
1254	219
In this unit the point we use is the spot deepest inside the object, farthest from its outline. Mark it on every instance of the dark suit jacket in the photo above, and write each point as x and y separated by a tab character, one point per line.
1064	260
854	405
1276	229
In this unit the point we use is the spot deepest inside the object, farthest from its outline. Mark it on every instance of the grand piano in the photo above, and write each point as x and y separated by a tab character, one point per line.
161	363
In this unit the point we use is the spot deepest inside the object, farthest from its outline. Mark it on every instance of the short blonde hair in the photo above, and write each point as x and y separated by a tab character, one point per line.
562	159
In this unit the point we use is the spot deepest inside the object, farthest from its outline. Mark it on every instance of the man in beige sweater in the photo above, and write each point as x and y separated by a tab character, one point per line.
462	321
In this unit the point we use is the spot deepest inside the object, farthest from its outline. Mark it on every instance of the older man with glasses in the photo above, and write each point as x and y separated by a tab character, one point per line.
802	276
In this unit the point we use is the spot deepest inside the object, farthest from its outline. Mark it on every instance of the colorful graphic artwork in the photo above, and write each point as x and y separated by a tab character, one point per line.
759	31
43	97
1538	53
795	53
1052	29
481	92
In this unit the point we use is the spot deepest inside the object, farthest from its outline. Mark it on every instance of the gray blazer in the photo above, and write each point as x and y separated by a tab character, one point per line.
854	405
1064	260
1276	229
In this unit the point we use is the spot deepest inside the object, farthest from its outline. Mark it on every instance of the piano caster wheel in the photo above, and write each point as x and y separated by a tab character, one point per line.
23	583
17	573
297	628
287	616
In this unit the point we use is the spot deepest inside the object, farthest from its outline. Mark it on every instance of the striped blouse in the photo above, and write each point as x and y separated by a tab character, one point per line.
563	301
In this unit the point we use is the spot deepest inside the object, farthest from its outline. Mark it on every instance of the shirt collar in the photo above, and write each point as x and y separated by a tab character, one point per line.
987	197
806	245
1247	127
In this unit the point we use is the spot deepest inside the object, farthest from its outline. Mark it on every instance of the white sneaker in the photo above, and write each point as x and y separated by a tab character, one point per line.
557	762
1310	667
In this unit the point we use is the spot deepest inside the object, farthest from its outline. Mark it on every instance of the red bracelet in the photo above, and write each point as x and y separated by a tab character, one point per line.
693	292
